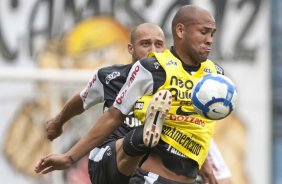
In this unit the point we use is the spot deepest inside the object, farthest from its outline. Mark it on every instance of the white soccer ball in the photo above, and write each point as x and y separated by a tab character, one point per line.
214	96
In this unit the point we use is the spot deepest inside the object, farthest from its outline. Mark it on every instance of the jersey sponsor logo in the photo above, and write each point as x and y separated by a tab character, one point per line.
157	65
181	90
207	70
139	105
90	84
111	77
185	140
121	96
174	151
132	122
133	75
188	119
131	79
109	151
169	63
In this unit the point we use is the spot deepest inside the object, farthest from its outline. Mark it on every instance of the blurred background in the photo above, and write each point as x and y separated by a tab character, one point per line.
49	50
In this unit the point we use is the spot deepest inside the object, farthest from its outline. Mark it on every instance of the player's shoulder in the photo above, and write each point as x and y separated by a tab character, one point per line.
150	63
114	69
219	69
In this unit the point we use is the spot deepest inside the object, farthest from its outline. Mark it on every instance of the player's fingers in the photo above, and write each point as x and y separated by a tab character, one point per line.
47	126
50	137
39	162
52	134
40	165
44	163
48	160
37	169
210	179
49	131
48	169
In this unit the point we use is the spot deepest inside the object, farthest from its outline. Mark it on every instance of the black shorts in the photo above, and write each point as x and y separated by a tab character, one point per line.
103	169
142	177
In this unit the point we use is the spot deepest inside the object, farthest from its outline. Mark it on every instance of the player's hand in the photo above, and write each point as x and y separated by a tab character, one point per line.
53	162
54	128
207	174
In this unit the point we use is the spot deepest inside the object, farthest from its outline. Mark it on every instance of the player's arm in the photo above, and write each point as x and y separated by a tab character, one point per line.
139	82
206	173
220	169
54	126
104	126
91	95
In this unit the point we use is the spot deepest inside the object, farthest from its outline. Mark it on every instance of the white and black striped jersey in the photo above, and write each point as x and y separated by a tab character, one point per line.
103	87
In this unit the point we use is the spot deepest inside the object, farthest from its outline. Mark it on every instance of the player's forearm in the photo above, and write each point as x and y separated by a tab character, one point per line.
72	108
104	126
206	173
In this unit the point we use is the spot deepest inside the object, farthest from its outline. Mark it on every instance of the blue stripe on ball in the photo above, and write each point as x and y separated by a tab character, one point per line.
230	88
196	101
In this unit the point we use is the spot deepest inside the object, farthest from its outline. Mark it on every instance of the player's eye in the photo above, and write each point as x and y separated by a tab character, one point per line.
145	44
159	44
204	32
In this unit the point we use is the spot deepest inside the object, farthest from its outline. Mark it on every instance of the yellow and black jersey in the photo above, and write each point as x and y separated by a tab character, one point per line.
184	129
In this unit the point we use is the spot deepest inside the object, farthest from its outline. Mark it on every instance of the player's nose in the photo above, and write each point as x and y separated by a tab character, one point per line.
153	48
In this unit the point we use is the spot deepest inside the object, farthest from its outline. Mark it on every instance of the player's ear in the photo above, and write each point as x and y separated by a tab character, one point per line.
179	29
130	48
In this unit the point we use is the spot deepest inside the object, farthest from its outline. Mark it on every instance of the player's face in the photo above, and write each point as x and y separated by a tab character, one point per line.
147	41
198	38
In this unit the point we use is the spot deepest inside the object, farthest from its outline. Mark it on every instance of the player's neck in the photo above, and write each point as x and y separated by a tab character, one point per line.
183	56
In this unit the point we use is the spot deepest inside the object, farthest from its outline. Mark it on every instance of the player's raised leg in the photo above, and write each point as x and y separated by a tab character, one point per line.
137	141
155	117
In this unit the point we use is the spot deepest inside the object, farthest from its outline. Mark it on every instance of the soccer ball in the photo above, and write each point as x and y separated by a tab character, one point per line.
214	96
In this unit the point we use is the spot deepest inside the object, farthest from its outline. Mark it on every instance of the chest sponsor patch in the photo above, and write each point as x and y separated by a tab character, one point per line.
182	139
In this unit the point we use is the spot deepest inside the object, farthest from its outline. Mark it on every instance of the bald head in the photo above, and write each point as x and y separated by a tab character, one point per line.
144	28
190	14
